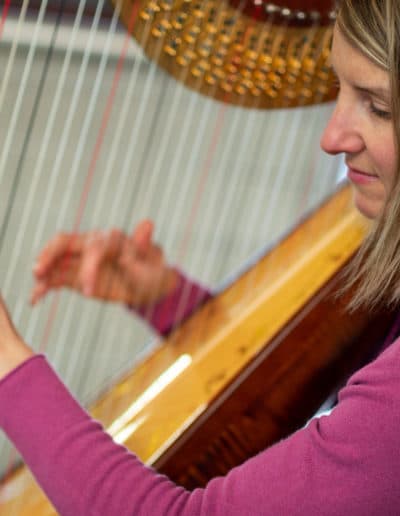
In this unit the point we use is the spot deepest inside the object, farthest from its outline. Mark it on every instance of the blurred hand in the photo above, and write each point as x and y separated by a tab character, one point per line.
109	266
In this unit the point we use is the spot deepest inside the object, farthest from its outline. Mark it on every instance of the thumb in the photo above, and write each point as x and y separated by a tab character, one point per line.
142	236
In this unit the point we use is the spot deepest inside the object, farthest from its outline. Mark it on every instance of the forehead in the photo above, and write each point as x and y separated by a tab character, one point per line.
353	66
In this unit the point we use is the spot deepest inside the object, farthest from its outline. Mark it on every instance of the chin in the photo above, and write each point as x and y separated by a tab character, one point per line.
367	207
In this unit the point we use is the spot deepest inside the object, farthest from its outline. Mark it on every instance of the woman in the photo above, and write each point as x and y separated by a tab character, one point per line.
344	463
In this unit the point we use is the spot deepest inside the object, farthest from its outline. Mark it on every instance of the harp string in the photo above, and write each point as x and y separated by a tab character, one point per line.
43	151
78	339
73	363
179	150
27	139
4	13
215	140
73	175
277	189
235	177
34	316
281	178
211	154
11	457
7	72
39	168
19	167
17	176
177	211
167	196
116	206
18	103
54	305
137	125
99	356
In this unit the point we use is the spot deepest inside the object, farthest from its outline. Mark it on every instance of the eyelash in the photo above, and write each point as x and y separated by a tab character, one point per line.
380	113
385	115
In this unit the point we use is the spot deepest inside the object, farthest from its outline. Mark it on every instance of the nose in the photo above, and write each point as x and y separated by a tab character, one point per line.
342	134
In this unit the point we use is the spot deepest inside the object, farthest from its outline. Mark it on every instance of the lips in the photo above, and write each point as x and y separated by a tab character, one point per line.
360	177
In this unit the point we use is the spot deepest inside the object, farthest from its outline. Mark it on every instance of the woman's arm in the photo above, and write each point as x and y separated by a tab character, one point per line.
345	463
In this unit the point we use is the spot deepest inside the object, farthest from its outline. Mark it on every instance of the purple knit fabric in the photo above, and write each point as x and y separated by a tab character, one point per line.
347	463
173	309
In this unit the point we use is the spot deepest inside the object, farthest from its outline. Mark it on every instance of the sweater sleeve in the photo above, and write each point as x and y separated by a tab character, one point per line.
344	463
170	311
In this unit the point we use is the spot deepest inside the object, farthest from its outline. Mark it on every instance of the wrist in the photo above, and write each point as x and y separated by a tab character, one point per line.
171	281
13	354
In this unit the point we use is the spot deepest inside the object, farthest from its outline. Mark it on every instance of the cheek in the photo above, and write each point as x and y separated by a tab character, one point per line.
385	163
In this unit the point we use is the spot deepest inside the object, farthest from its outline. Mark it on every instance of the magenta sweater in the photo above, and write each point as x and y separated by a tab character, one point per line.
173	309
347	463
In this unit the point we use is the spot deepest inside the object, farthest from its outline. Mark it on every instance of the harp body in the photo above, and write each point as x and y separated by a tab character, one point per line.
244	371
201	405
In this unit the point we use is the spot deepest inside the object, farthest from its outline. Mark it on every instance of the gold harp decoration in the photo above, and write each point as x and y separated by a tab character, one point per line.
247	52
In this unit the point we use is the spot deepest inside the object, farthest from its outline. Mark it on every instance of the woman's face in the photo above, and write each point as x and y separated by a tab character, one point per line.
361	126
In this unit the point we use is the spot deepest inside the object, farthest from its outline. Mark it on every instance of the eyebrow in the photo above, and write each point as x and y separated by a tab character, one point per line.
378	91
381	93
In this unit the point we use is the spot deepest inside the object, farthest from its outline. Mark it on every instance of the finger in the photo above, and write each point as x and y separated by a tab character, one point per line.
135	277
140	271
57	277
142	236
99	249
93	256
62	245
38	292
134	267
127	261
152	258
114	242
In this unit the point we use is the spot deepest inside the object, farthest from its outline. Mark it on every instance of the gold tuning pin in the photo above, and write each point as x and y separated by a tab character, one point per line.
242	50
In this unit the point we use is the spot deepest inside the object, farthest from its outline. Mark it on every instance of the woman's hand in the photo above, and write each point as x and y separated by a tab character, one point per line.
108	266
13	350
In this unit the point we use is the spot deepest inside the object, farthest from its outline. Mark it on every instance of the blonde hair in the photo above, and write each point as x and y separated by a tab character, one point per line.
373	27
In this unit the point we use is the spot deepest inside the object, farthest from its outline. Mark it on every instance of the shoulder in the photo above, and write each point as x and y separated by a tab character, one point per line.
365	423
378	381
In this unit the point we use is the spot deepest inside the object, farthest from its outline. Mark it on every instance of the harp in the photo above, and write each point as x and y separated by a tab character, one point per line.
78	95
